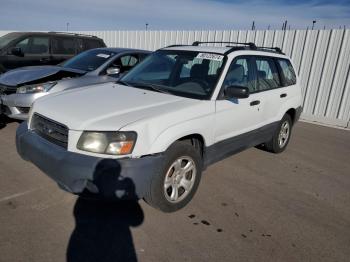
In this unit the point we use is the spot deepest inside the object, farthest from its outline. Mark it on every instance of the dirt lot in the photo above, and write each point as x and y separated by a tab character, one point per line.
254	206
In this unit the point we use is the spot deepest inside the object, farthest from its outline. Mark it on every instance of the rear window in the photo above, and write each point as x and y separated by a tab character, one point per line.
287	71
63	45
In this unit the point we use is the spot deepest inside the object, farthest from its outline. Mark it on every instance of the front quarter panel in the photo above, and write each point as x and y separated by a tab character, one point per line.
155	135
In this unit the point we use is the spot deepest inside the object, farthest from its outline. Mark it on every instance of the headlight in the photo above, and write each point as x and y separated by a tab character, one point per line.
37	88
111	143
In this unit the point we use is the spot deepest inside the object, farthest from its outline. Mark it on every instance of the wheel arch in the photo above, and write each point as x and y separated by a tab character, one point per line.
292	113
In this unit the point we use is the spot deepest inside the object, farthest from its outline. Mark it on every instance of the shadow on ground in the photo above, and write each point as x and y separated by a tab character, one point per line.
102	232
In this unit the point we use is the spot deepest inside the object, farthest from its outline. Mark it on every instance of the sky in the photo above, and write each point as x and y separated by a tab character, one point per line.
52	15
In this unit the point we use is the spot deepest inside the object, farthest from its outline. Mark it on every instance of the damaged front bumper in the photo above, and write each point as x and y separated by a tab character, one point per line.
17	106
121	178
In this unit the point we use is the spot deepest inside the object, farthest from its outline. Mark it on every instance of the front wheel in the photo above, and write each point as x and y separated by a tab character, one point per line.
281	137
177	180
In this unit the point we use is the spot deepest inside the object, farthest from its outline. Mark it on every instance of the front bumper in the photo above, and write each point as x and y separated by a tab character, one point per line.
120	178
13	105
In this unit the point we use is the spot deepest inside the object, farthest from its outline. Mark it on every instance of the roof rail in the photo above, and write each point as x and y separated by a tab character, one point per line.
276	49
251	45
75	34
174	46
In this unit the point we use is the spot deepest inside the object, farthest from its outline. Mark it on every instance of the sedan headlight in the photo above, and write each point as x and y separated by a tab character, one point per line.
37	88
110	143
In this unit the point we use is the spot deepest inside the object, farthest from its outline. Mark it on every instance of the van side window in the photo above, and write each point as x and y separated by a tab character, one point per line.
90	44
288	74
267	73
63	46
239	74
34	45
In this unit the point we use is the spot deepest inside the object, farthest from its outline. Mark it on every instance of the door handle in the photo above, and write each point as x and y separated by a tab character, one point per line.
283	95
254	103
44	59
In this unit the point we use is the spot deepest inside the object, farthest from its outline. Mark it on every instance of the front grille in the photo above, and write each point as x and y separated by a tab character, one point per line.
23	110
52	131
7	90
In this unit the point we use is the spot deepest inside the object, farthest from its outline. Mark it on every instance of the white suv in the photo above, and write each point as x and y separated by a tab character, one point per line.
151	134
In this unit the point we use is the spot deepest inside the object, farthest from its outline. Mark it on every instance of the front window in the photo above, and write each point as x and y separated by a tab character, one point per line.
6	39
183	73
89	60
34	45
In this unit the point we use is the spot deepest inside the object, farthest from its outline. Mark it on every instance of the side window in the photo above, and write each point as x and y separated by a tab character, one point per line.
125	62
24	45
267	73
63	46
288	74
129	60
239	74
34	45
90	44
80	45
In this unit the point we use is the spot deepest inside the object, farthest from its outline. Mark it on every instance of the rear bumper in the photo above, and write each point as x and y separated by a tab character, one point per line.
122	178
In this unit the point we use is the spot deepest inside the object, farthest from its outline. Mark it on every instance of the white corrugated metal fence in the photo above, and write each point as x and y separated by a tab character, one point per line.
321	57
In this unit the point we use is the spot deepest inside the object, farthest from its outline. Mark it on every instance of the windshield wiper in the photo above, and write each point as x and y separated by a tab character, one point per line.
149	86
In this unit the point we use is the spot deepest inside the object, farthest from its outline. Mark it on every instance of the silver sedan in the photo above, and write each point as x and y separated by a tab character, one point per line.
19	88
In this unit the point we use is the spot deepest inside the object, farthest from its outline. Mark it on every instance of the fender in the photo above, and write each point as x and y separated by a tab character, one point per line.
200	126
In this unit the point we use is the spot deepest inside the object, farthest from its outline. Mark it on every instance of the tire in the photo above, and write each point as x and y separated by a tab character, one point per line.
278	143
171	175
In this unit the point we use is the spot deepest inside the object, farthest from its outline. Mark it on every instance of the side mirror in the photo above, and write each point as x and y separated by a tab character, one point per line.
17	51
113	71
236	92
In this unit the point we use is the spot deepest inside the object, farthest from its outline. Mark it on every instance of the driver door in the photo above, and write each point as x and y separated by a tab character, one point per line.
35	52
237	119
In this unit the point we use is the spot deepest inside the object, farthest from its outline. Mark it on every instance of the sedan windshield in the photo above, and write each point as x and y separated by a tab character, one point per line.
6	39
89	60
183	73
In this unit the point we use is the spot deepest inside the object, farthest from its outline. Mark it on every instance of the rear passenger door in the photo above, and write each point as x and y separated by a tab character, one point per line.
271	90
62	48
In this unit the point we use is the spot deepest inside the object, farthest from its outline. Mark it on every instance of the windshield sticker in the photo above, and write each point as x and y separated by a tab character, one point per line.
210	56
103	55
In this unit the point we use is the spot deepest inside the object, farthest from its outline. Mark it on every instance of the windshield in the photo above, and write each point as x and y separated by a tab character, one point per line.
6	39
89	60
183	73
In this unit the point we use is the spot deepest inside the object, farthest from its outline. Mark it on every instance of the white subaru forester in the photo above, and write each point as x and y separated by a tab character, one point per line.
151	134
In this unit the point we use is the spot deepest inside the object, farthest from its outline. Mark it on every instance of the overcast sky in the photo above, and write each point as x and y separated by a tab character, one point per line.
170	14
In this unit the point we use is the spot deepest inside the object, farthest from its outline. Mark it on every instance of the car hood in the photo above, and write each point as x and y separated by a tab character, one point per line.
106	107
33	74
